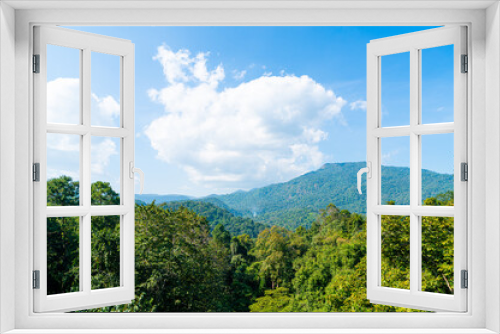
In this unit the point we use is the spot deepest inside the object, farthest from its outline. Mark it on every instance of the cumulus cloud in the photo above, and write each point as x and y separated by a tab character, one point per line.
63	101
181	67
63	104
358	105
102	151
54	173
261	131
106	111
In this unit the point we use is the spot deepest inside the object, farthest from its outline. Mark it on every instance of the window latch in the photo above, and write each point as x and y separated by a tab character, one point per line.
133	170
368	171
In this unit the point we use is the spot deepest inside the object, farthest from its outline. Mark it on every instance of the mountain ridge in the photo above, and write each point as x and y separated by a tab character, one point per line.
298	202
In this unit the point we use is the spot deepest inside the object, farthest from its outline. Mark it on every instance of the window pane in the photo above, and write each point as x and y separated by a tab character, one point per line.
437	254
395	156
63	85
437	169
437	84
105	168
395	252
395	89
105	252
105	88
63	255
63	169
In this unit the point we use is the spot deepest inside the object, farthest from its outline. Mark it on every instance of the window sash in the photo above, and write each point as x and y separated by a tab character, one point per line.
413	43
86	297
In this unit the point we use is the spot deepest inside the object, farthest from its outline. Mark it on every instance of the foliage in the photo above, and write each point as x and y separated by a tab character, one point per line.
185	263
218	215
299	201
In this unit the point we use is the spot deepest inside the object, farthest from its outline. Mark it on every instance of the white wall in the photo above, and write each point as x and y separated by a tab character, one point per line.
7	160
492	165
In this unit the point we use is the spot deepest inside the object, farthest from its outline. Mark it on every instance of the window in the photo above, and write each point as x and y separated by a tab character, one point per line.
84	131
267	268
483	240
414	135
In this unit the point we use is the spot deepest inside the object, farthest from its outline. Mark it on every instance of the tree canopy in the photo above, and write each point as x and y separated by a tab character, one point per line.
183	264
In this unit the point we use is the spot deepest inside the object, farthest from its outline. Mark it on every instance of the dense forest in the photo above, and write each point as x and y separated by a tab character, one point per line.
183	264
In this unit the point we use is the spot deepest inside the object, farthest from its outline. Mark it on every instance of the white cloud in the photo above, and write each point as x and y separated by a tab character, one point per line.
388	157
101	155
181	67
262	131
63	142
63	99
54	173
106	111
358	105
239	75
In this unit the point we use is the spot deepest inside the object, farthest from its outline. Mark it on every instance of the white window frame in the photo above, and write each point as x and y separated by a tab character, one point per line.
484	146
86	44
413	44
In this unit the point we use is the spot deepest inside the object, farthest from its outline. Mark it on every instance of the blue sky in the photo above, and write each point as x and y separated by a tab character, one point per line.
225	108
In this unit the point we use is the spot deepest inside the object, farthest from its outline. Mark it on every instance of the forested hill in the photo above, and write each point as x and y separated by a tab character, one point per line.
298	201
217	215
148	198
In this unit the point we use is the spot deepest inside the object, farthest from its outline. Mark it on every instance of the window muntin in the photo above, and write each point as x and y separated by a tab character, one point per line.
82	218
416	296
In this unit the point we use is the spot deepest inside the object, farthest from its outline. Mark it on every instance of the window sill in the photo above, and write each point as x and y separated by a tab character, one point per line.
251	331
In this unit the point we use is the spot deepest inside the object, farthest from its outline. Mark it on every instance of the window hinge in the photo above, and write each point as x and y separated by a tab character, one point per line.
465	64
464	168
36	279
36	172
465	279
36	63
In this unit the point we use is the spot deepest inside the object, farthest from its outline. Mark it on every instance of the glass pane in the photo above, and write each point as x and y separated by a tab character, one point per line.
395	155
395	89
437	84
437	254
105	168
437	169
105	252
63	169
105	86
63	255
63	85
395	252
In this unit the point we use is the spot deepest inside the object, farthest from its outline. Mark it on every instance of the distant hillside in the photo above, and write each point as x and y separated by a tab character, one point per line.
298	201
217	215
148	198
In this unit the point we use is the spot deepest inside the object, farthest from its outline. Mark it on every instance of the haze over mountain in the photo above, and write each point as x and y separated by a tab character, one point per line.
298	201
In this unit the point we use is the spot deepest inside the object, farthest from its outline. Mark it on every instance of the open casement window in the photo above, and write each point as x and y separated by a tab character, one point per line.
405	239
84	143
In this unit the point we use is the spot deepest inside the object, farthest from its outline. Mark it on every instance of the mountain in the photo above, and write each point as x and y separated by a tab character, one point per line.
218	215
148	198
298	201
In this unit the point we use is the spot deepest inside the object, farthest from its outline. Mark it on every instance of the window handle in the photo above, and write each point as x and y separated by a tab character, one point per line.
133	170
368	171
